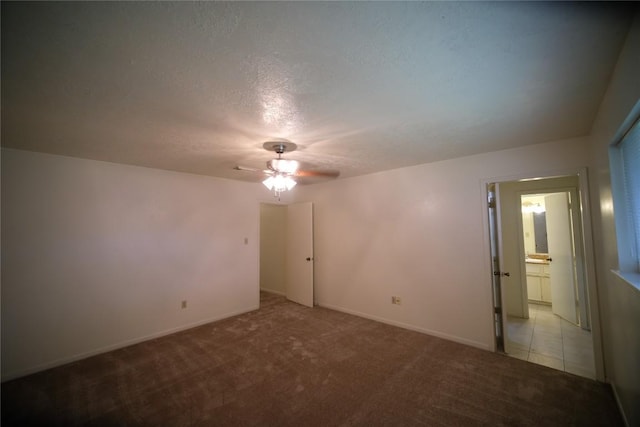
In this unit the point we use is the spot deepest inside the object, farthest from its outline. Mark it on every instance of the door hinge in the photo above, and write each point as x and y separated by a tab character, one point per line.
501	274
497	310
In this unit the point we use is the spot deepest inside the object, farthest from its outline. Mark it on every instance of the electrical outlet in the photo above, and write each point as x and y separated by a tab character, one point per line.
184	304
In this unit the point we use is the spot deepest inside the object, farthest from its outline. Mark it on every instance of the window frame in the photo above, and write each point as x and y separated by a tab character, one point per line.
628	243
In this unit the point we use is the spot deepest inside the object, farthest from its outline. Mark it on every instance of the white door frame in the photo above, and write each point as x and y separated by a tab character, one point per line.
497	273
588	248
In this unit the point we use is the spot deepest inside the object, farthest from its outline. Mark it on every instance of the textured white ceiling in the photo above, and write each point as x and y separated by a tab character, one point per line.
360	87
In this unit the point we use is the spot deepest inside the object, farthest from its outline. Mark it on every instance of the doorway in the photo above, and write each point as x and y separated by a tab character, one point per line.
286	251
549	232
273	223
532	330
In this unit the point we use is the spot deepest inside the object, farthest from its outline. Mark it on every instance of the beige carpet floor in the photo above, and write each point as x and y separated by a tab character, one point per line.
289	365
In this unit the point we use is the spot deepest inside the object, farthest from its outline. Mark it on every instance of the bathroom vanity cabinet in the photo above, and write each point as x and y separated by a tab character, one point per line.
538	284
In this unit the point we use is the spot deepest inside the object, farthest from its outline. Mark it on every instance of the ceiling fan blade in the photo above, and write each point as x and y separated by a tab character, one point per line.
247	169
318	173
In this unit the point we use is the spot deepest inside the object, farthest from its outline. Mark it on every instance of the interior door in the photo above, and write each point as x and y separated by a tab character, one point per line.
510	229
299	254
561	268
495	232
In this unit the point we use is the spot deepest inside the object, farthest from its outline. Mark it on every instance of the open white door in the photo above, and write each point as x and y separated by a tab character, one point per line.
299	254
561	267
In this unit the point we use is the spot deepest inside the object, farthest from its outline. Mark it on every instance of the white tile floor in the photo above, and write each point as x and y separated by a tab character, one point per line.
549	340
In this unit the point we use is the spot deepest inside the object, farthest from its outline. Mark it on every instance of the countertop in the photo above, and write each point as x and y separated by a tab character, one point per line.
536	261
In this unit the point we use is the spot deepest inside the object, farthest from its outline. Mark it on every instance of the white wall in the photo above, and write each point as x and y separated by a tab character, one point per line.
620	301
421	233
96	255
272	247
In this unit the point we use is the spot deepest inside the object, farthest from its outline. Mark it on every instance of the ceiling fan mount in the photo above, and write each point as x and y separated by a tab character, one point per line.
280	147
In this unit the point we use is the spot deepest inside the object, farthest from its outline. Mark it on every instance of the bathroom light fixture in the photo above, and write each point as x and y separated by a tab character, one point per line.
279	182
528	207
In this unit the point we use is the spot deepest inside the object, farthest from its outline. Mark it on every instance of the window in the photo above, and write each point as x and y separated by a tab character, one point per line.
625	177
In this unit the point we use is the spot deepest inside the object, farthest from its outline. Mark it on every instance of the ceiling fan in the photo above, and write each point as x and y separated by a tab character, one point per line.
281	172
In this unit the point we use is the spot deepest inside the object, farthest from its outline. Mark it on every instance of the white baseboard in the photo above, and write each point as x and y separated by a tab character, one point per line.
64	360
448	337
620	408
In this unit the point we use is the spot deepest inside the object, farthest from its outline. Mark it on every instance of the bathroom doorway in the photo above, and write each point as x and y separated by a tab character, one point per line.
549	235
532	331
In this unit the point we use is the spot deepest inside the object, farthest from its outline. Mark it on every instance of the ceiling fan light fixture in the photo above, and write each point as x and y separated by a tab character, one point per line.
283	165
278	183
281	172
289	182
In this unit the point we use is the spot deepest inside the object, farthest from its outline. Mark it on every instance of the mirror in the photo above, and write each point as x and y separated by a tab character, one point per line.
534	224
540	232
